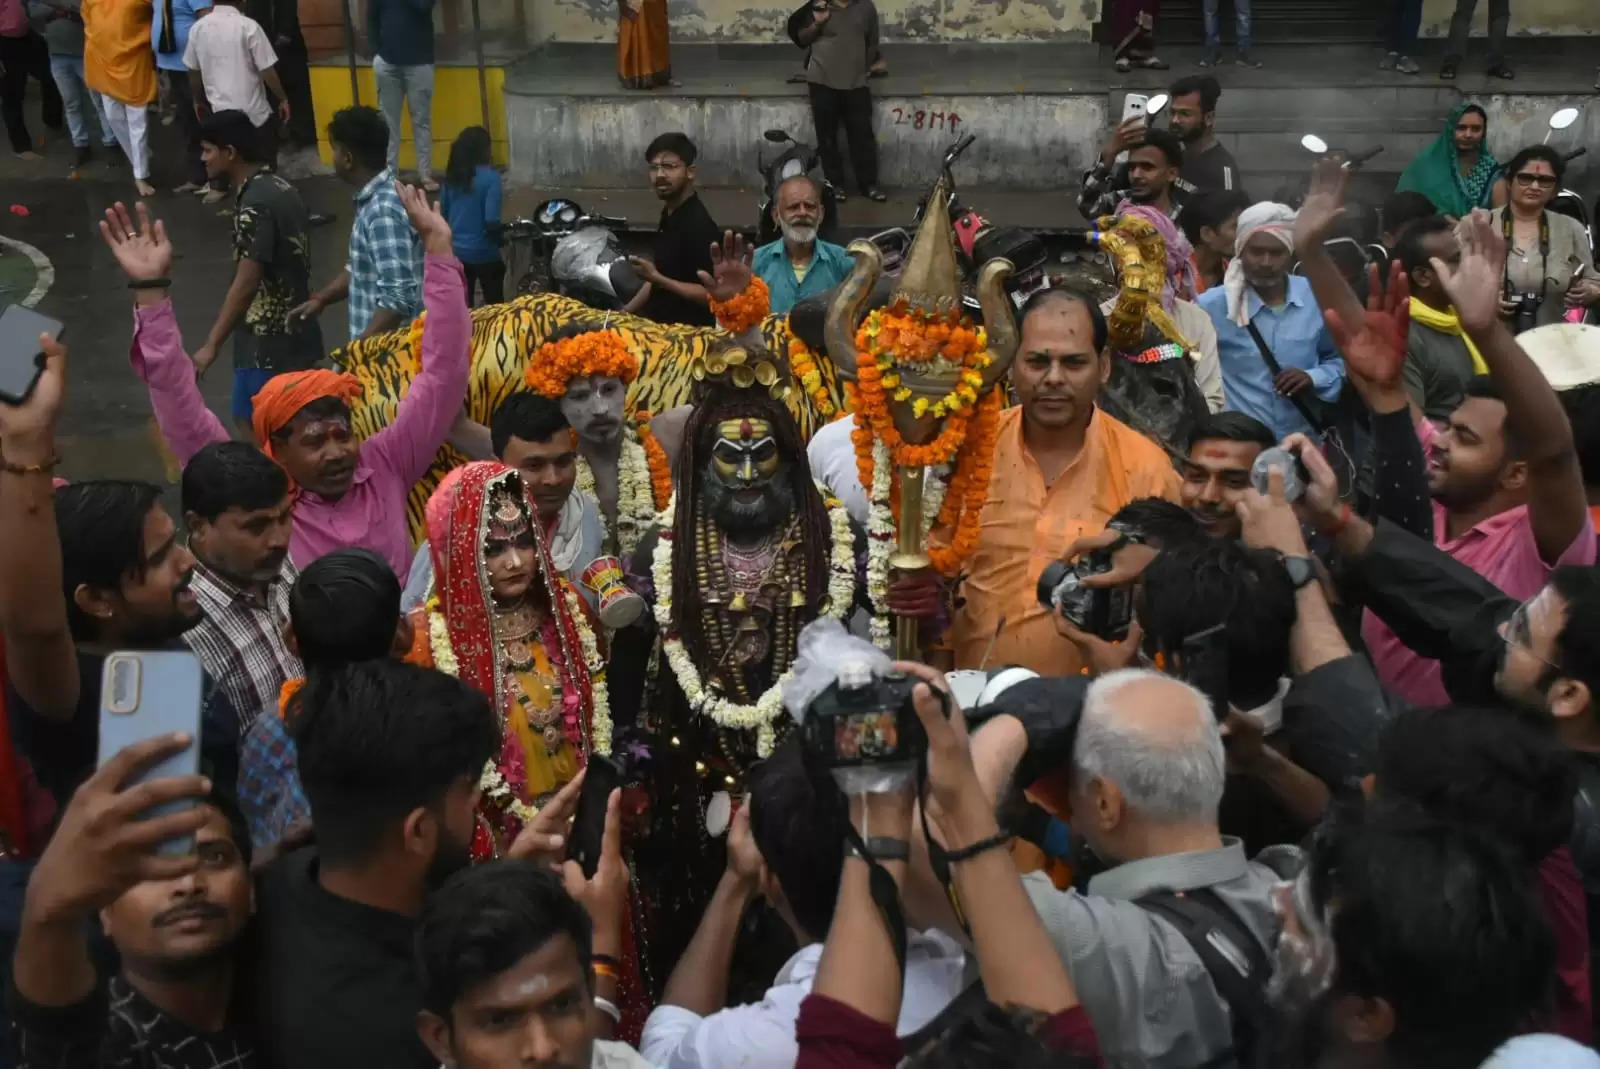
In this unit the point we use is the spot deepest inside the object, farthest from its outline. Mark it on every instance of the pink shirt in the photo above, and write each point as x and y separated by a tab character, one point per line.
1502	550
372	513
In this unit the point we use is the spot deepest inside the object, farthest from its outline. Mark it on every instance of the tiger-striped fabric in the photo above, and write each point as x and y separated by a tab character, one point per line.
504	336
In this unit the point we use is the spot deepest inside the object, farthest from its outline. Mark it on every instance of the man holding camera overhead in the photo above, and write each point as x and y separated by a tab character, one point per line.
1062	467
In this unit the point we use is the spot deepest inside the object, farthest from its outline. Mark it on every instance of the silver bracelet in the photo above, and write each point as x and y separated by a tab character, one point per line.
609	1008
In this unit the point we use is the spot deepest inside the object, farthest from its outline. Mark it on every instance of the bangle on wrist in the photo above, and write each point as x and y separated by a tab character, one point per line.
609	1008
149	283
42	468
967	853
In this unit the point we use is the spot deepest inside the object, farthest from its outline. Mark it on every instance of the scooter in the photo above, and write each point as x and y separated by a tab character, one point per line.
797	159
553	222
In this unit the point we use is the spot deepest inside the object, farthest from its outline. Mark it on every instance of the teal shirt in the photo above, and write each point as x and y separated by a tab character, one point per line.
830	265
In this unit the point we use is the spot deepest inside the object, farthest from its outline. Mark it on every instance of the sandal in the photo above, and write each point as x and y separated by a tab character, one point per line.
1124	66
1153	63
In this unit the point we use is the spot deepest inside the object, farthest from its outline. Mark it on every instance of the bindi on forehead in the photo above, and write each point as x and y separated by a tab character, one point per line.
1218	453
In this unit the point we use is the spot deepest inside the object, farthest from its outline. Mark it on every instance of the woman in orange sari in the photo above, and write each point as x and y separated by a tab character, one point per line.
644	59
119	63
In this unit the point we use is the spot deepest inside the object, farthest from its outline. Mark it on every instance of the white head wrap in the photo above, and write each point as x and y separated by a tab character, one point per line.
1264	218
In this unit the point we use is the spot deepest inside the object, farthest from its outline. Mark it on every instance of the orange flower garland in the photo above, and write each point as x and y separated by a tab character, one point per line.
746	310
969	490
596	352
660	466
891	338
803	363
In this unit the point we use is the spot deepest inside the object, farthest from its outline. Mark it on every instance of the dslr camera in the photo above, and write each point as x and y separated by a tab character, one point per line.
863	719
1526	314
1102	611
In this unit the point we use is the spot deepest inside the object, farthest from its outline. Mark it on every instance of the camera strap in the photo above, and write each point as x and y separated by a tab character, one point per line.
1544	251
885	895
1276	368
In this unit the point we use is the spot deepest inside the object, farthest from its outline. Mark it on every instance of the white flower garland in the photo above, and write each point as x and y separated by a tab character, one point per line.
766	708
636	500
600	695
882	533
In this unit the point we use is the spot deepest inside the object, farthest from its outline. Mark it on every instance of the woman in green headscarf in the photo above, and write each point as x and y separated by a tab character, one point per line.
1457	172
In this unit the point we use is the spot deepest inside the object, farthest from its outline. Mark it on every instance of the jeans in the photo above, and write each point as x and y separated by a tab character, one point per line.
853	108
412	87
76	97
1461	25
1405	20
1241	13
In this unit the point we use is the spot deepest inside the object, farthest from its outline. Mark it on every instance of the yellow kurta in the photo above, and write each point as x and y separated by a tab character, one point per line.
118	59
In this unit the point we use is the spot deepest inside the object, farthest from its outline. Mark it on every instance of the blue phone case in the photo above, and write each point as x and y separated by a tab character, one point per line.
144	694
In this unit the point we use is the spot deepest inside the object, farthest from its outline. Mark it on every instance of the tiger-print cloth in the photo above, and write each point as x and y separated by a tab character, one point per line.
503	338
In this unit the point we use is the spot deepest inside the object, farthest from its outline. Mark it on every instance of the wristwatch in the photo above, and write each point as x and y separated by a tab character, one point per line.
1302	570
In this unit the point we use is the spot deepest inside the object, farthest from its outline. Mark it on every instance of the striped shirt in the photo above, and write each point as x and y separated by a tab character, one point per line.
240	642
385	256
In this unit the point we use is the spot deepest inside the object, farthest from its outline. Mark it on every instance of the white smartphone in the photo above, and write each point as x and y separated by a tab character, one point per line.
146	694
1133	104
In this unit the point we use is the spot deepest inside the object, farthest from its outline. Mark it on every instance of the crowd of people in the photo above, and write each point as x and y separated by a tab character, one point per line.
1312	780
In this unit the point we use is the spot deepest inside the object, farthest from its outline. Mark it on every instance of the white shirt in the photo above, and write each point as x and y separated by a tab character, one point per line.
761	1035
832	456
1541	1050
230	50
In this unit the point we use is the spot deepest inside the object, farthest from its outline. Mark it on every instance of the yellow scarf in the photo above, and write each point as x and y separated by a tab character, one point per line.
1447	323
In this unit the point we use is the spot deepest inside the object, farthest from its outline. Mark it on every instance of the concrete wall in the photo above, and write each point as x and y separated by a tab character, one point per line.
971	20
1529	18
755	22
1024	142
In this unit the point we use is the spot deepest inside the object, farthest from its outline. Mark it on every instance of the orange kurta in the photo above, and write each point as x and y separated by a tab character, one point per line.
117	56
644	59
1026	525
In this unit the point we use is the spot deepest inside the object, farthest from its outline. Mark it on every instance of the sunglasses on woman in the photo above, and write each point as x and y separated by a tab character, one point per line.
1543	181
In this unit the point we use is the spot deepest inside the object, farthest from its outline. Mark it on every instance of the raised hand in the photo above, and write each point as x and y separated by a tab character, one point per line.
106	843
730	267
1321	506
27	430
543	840
1475	284
1268	521
142	250
1324	203
606	892
426	219
1375	348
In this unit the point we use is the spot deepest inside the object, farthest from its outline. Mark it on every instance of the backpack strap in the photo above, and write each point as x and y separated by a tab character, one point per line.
1236	962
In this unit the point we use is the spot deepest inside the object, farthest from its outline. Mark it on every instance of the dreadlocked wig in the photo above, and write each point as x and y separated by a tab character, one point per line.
717	402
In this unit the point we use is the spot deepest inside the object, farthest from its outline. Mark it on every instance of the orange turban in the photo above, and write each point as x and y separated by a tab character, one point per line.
276	403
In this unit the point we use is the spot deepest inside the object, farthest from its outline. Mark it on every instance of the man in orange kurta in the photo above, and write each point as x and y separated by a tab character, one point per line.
118	62
1062	467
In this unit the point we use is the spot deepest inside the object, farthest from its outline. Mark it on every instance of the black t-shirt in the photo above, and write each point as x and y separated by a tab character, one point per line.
270	226
63	753
337	987
682	248
1210	171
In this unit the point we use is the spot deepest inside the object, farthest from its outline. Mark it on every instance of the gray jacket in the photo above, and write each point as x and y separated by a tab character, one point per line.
61	24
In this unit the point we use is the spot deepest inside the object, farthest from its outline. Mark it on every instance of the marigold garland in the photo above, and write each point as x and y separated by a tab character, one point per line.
963	503
746	309
597	352
803	363
656	454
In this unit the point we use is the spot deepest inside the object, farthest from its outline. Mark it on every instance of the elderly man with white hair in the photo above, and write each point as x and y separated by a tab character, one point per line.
799	264
1143	783
1278	360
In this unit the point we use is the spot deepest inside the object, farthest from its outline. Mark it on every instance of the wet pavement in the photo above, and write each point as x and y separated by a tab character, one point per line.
106	429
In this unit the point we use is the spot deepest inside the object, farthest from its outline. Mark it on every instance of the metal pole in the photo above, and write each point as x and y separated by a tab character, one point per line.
483	77
350	52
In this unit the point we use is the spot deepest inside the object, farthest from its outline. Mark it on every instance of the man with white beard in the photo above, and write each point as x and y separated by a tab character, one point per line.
799	264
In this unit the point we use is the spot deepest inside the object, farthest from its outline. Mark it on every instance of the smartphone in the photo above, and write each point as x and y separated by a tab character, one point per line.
145	694
20	363
1203	664
589	822
1133	104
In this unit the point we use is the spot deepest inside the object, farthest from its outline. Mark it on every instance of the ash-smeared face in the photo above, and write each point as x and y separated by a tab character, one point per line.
745	487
